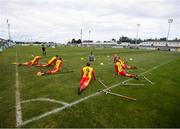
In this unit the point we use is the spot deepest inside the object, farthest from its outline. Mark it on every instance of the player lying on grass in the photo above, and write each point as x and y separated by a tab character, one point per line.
52	61
56	69
125	66
119	70
33	62
87	73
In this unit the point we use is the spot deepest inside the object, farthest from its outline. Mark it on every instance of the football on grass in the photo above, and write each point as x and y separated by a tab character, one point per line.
39	73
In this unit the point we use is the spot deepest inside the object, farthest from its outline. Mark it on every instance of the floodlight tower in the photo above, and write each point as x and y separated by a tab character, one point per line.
169	21
9	34
138	25
81	34
89	34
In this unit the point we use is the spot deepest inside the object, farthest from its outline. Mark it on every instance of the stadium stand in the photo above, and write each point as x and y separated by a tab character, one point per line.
4	44
99	44
161	45
150	45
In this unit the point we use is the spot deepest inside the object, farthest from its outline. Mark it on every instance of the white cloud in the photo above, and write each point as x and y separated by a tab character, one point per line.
61	20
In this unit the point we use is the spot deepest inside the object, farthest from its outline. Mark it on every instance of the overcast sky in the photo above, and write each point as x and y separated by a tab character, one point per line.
61	20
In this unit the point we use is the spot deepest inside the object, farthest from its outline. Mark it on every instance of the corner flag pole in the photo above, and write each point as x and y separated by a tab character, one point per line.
81	34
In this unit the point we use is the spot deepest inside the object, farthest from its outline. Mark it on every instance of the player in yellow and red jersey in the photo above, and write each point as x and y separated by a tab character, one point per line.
56	69
33	62
87	73
52	61
115	58
119	70
125	66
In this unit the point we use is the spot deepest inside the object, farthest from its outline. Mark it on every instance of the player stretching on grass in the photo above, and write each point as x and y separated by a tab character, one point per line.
115	58
119	70
87	73
56	69
33	62
52	61
125	66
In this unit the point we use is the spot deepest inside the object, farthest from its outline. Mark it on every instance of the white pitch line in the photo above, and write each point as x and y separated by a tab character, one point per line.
45	99
19	120
155	67
85	98
58	109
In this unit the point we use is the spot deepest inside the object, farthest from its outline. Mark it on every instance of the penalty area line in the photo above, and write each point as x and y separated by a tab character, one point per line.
86	98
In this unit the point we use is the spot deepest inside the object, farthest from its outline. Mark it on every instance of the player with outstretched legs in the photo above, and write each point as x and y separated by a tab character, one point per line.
56	69
125	66
33	62
52	61
87	73
119	70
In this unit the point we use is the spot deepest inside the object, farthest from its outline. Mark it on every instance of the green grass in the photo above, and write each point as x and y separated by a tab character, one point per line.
157	105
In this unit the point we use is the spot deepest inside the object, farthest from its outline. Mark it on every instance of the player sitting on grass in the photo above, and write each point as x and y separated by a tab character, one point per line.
119	70
52	61
125	66
87	73
56	69
115	58
33	62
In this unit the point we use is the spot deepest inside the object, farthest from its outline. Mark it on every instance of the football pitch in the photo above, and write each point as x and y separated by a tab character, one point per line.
27	100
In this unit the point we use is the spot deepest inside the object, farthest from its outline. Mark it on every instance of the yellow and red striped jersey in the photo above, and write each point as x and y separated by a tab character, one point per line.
87	71
52	61
35	60
118	67
58	65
